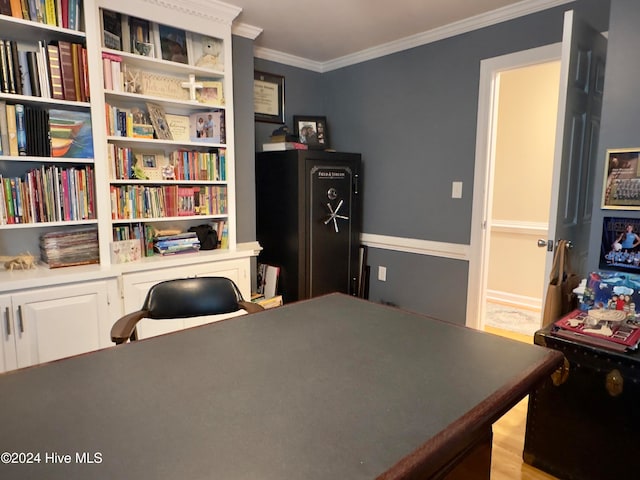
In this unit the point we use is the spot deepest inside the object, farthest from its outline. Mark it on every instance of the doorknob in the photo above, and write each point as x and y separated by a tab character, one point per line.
546	243
549	244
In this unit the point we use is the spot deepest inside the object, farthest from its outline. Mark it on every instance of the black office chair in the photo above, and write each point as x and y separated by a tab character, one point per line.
183	298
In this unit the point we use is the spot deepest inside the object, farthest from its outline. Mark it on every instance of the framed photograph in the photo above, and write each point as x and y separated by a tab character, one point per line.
173	44
620	246
621	189
206	52
268	97
210	93
150	164
311	131
111	29
140	37
159	121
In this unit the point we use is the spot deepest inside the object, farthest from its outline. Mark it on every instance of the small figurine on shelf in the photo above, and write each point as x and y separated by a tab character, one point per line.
25	261
212	54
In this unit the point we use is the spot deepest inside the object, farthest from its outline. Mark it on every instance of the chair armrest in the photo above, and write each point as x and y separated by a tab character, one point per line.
250	307
124	327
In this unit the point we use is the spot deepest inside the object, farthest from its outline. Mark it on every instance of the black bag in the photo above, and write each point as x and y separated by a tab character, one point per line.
207	237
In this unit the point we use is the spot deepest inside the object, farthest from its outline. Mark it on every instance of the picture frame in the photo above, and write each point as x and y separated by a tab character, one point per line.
311	131
621	190
152	164
173	44
159	121
268	97
205	52
111	23
211	93
620	244
140	37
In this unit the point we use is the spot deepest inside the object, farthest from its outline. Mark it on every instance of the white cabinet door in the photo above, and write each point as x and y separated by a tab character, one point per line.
60	322
136	286
8	344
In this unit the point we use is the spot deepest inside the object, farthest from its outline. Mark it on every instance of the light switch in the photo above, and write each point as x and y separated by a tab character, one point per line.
456	190
382	274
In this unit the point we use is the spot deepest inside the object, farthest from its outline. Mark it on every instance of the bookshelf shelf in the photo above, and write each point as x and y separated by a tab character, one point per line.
170	143
23	30
31	100
177	106
199	218
40	225
58	160
157	64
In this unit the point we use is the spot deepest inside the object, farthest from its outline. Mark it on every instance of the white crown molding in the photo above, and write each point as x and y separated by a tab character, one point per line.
287	59
245	30
520	9
213	9
454	251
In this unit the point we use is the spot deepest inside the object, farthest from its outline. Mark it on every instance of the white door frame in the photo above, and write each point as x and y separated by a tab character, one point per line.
484	165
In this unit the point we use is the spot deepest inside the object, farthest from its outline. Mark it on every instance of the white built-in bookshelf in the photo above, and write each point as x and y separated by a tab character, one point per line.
146	71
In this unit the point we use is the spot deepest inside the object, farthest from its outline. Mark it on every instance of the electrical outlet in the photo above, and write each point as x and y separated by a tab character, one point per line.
382	274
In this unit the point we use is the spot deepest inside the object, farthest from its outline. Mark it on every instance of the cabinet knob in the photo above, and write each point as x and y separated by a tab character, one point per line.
7	319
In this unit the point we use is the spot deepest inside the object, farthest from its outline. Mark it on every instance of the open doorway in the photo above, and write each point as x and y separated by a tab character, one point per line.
527	106
514	166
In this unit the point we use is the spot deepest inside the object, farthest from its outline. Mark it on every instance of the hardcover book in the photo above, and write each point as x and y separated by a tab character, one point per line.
55	72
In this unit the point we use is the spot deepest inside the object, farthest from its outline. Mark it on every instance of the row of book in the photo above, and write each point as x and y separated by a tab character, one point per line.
66	248
138	201
27	130
48	194
182	164
192	165
57	69
57	13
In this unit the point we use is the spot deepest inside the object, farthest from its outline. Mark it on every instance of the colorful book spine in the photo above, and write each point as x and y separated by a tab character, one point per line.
21	129
55	72
12	130
66	70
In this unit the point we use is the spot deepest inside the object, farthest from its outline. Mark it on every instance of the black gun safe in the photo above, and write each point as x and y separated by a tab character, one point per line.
308	220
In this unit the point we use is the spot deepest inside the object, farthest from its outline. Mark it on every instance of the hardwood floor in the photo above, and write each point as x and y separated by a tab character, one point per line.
508	436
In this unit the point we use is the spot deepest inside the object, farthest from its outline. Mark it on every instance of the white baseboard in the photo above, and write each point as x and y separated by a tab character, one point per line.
521	301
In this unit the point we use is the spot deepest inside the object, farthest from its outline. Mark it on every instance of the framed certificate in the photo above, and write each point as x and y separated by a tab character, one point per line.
268	97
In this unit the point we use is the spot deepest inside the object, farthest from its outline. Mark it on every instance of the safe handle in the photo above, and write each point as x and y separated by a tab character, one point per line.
20	319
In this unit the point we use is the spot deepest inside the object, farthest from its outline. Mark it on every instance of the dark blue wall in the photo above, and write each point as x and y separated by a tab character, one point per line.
413	116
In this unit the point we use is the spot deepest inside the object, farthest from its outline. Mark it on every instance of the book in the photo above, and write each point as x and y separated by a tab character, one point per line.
33	73
12	129
278	146
55	71
5	7
4	128
9	62
17	77
4	68
206	126
21	129
16	8
66	70
43	69
25	75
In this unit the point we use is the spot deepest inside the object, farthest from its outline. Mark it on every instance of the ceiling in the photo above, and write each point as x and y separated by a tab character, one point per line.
330	29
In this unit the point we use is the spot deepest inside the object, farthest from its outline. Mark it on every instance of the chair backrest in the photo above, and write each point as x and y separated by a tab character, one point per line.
192	297
183	298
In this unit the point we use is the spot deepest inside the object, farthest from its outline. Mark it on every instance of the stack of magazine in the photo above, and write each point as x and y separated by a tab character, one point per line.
179	243
70	247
